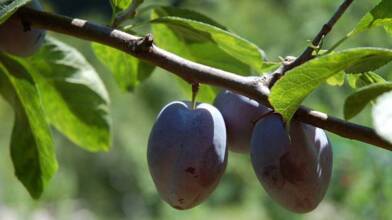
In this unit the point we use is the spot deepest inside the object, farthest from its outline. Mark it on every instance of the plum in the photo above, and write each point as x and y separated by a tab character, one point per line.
294	169
240	114
19	40
187	153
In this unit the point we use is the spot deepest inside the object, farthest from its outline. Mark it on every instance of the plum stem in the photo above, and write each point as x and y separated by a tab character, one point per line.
265	114
195	90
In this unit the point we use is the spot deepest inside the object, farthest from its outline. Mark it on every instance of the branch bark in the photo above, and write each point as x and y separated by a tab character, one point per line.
143	48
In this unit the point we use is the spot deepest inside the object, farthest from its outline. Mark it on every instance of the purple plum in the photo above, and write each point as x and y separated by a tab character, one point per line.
187	153
294	169
16	39
240	114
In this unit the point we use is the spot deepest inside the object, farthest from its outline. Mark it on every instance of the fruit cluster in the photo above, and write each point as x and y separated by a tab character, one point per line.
187	152
18	38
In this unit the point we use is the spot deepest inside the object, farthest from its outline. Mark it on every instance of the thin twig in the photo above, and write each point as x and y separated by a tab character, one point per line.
130	12
337	44
143	48
308	53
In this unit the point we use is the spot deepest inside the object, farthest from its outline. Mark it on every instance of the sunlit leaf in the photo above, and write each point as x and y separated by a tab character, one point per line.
288	93
74	97
200	39
209	45
381	15
337	79
32	147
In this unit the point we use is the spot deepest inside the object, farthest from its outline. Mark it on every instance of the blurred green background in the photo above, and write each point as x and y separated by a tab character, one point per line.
117	184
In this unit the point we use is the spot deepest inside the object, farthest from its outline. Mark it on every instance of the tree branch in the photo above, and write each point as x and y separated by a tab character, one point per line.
143	48
307	54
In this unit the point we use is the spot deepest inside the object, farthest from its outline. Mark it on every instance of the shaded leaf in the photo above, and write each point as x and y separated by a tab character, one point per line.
119	5
288	93
368	63
357	101
74	97
381	15
127	70
32	148
122	7
382	116
363	79
9	7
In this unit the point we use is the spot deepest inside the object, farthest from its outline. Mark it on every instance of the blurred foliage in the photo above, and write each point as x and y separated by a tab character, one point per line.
117	185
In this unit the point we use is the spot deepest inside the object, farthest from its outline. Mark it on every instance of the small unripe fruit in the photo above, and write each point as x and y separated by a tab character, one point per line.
240	114
187	153
16	40
295	171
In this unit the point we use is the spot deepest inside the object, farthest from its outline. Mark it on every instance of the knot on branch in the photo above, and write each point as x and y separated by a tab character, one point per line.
142	44
273	77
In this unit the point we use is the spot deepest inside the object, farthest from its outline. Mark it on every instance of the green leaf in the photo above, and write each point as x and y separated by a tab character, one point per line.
381	15
368	63
32	148
127	70
200	39
74	97
269	67
357	101
382	116
187	14
336	80
119	5
9	7
288	93
206	44
363	79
